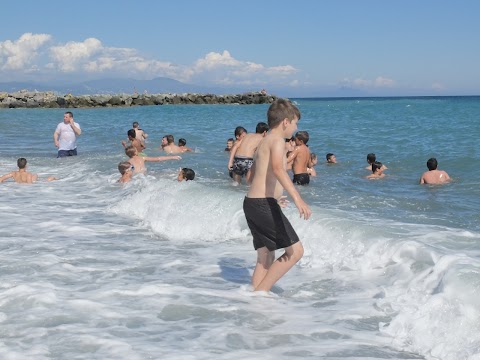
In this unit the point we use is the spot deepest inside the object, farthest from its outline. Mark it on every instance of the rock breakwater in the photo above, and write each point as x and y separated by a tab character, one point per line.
48	99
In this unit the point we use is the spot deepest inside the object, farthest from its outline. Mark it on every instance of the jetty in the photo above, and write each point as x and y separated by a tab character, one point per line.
49	99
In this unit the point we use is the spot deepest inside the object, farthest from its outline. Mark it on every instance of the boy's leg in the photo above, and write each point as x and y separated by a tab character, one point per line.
265	260
281	266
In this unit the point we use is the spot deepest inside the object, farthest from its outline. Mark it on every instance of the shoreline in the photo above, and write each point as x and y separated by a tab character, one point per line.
48	99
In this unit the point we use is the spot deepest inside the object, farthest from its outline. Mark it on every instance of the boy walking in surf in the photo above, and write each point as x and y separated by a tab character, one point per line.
270	228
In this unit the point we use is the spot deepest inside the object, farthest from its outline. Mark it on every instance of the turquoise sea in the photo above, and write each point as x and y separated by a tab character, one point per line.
158	269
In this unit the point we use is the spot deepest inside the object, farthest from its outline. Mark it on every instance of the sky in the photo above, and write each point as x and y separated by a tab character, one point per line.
294	48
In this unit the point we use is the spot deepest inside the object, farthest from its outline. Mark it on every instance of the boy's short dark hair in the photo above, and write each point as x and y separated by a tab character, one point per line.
279	110
188	174
182	142
376	165
371	158
230	139
135	124
239	130
329	155
261	128
21	163
432	164
132	133
303	136
69	113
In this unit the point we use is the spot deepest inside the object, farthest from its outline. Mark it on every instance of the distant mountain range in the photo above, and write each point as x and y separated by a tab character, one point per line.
158	85
163	85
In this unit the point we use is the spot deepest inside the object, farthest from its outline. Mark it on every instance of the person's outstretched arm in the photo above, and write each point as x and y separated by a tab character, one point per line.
162	158
5	177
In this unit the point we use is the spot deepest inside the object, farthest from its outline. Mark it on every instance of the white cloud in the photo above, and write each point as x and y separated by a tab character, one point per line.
91	57
21	53
215	60
70	56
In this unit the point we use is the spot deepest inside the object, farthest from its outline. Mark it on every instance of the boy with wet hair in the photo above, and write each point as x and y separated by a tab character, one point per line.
311	166
377	171
331	158
186	174
182	144
168	145
22	176
229	144
371	158
140	134
301	159
133	141
239	133
434	176
126	170
270	229
241	155
139	161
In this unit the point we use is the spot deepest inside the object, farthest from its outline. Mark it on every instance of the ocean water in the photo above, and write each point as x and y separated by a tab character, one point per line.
158	269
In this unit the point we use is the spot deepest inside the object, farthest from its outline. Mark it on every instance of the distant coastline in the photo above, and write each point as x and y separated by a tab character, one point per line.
49	99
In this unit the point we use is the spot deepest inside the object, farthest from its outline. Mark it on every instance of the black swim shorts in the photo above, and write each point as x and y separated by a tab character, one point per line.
301	179
268	224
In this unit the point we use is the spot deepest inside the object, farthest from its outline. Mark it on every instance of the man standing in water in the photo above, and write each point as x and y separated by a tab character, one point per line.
65	136
270	228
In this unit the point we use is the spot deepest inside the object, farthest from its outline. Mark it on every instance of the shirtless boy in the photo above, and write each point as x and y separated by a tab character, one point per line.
182	144
22	176
377	171
301	159
133	141
313	162
434	176
168	145
126	170
140	134
241	155
331	158
229	144
270	228
139	161
186	174
371	158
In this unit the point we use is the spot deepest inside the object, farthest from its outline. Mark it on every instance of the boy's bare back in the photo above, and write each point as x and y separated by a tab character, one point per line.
301	160
248	145
20	177
434	177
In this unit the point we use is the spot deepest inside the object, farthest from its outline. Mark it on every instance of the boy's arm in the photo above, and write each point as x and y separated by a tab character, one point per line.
162	158
232	153
292	155
5	177
422	180
277	152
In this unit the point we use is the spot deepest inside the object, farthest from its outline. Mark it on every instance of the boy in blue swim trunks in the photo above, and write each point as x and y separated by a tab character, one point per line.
270	228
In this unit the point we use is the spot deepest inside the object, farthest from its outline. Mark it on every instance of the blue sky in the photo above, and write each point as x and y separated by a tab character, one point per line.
311	47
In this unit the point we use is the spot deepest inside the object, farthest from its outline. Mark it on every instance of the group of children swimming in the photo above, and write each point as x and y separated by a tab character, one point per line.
135	146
